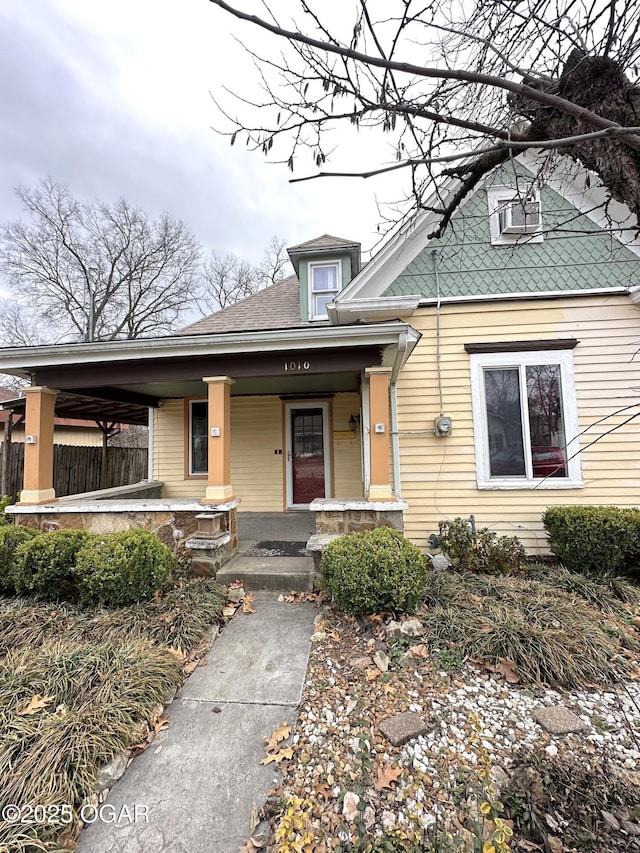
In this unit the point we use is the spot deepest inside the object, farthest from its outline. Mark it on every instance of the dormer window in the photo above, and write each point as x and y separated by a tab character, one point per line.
324	285
514	216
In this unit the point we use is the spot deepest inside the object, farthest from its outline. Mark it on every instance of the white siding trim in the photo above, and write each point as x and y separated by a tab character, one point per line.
570	418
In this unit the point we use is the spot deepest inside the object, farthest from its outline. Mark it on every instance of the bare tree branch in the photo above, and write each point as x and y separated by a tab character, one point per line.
94	271
448	81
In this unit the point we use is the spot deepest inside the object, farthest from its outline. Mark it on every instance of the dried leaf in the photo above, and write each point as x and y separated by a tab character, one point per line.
555	845
507	668
386	775
388	690
247	602
372	674
419	651
161	724
255	820
277	757
35	704
281	733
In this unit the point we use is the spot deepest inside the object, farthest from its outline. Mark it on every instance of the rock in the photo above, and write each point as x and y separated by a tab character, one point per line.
319	636
109	773
361	663
236	594
407	660
169	696
558	720
381	660
412	628
403	727
467	840
499	779
388	820
439	562
350	806
394	629
369	817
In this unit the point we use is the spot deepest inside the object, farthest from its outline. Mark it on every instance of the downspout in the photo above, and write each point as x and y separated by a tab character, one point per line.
395	437
150	448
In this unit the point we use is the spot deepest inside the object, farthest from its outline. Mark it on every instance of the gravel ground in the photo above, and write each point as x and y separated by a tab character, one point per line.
346	773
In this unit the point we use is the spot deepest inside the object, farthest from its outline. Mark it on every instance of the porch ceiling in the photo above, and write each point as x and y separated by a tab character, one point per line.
80	407
265	385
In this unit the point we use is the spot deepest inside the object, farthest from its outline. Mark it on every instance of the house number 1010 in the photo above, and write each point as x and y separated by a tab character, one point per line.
296	365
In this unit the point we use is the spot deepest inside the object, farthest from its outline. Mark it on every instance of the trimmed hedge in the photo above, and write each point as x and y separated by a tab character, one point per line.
46	564
11	536
597	540
121	568
374	570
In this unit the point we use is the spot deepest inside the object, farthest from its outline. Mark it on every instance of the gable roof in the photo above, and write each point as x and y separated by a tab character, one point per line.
408	250
275	307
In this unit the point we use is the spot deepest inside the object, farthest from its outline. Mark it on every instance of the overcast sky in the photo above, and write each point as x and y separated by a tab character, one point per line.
113	98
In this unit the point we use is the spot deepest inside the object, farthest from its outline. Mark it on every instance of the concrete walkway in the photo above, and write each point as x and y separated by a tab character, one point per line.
201	777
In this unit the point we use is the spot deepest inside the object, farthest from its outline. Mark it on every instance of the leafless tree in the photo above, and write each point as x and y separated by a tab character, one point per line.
458	87
228	278
93	271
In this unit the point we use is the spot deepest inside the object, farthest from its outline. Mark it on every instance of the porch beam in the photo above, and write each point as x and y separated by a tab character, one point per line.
380	488
38	449
219	486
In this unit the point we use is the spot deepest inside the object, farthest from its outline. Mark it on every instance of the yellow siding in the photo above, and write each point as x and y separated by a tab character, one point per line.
347	452
257	471
168	453
439	475
72	436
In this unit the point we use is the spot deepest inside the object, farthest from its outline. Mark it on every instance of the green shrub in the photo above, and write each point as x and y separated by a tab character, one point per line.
46	564
5	501
482	550
121	568
597	540
11	535
372	571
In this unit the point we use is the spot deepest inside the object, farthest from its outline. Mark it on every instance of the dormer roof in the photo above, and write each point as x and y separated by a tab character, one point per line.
326	245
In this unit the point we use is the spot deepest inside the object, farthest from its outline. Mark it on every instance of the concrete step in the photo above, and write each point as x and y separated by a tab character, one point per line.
282	574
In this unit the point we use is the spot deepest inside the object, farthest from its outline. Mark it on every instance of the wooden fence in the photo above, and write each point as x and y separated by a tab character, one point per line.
79	469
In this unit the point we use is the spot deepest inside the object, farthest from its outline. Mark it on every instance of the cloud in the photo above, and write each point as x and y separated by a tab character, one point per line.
114	99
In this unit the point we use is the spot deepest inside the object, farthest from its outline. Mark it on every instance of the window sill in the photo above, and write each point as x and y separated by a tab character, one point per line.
528	485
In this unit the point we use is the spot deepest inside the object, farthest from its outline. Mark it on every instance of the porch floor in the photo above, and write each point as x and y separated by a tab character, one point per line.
274	527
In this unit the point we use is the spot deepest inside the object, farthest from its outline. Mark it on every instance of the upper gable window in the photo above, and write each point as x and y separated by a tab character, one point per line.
515	216
324	285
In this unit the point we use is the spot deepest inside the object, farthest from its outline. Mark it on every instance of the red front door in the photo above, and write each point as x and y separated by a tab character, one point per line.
307	455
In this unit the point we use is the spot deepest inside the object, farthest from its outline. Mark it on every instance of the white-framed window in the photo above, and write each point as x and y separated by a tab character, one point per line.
515	215
525	420
198	437
325	280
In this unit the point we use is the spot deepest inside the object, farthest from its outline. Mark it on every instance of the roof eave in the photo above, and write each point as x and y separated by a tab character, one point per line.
21	361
